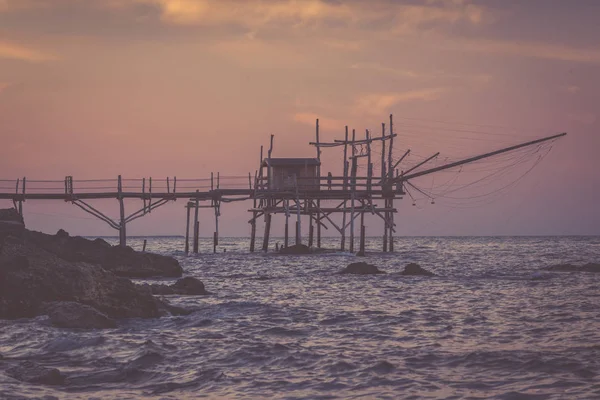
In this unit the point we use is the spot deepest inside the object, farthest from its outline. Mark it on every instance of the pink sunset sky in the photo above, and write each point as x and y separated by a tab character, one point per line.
97	88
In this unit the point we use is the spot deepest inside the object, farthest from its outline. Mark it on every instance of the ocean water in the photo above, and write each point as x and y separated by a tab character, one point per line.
490	325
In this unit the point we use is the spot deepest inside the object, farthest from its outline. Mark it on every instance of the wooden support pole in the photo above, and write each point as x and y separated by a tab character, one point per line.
196	236
196	224
391	226
267	232
150	194
122	231
144	193
318	227
361	251
352	222
187	229
318	200
269	163
252	232
216	234
382	151
287	218
385	227
345	186
298	223
390	153
144	246
310	232
168	186
369	166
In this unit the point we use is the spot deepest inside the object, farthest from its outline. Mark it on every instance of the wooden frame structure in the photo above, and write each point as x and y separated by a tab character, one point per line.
351	194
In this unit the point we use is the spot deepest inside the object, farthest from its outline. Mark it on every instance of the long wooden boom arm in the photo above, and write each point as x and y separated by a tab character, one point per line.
473	159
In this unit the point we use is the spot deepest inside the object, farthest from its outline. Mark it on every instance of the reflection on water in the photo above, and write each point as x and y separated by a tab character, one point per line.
490	325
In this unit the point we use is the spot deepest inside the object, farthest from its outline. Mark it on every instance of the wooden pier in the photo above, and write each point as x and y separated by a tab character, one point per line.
292	187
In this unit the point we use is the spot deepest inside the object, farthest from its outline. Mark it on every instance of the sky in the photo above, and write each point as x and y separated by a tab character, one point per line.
155	88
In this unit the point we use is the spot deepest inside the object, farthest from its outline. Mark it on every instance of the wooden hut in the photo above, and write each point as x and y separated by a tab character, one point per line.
289	173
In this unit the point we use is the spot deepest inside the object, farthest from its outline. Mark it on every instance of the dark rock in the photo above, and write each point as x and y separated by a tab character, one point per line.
31	372
10	215
361	268
11	224
183	286
68	314
295	249
189	285
589	267
122	261
30	276
413	269
62	233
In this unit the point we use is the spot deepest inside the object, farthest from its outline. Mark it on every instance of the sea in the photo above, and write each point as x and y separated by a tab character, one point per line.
492	324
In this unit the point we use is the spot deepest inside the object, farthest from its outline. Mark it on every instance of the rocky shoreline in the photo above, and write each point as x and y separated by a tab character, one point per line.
81	283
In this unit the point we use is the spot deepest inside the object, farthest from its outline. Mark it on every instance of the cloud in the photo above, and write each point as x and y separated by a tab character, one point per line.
526	49
376	67
252	14
327	123
481	78
18	52
381	103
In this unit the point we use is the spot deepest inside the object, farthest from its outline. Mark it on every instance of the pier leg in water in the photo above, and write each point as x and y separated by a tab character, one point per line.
287	220
311	229
361	251
252	232
385	227
187	230
196	236
122	225
267	232
391	227
196	224
318	225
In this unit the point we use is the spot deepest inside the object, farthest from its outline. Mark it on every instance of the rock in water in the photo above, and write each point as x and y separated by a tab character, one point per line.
31	372
30	276
295	249
589	267
189	285
68	314
413	269
11	223
361	268
122	261
184	286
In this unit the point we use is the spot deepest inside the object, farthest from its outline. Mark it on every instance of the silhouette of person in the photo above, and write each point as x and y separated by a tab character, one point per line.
329	179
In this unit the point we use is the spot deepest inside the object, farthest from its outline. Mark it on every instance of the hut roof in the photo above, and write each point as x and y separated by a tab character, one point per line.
284	162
